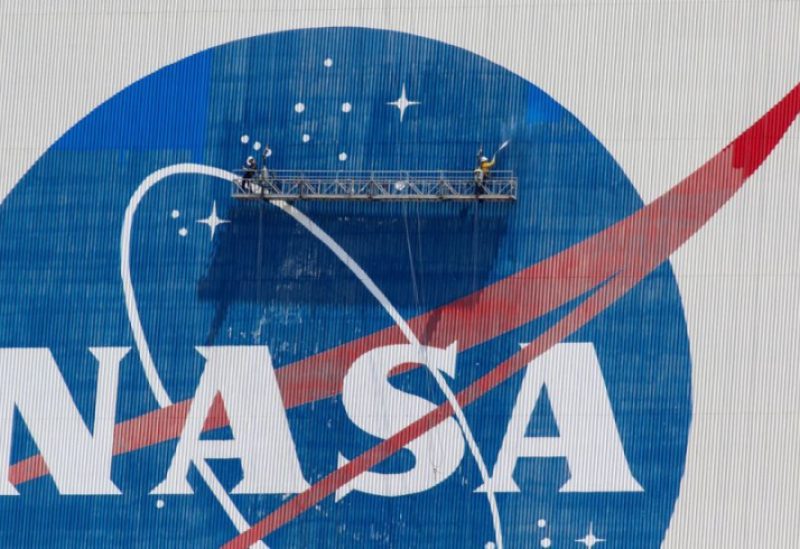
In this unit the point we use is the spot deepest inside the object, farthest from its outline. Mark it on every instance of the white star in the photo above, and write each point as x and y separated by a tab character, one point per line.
589	540
402	103
213	221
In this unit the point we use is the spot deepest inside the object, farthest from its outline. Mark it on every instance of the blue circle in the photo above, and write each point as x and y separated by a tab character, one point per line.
263	279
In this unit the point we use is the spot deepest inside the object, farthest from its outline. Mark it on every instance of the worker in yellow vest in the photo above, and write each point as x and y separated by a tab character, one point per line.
484	168
482	171
485	165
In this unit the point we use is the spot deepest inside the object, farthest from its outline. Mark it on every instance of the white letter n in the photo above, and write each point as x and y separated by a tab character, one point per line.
79	461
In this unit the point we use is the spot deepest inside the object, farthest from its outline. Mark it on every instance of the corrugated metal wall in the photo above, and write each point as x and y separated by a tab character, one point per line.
607	106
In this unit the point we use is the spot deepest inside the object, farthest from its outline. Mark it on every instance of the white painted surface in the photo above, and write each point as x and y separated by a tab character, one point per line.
663	85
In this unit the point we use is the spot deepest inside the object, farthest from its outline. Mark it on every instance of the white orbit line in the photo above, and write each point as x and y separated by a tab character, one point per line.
155	381
150	372
314	229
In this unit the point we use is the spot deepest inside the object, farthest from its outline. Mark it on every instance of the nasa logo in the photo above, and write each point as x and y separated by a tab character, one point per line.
403	374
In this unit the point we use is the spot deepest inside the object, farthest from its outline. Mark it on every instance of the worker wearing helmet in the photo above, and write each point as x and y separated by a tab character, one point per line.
249	172
486	166
482	171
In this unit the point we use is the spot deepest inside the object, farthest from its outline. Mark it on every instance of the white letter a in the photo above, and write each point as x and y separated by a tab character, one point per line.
588	439
244	379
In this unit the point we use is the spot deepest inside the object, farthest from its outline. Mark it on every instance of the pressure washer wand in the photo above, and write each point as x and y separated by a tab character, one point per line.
500	148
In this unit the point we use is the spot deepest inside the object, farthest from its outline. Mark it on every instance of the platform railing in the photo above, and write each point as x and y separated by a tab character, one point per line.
374	185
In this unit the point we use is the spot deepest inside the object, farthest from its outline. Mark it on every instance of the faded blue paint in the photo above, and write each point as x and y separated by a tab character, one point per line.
60	286
157	113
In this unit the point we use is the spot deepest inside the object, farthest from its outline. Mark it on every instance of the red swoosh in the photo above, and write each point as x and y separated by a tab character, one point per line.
631	249
662	226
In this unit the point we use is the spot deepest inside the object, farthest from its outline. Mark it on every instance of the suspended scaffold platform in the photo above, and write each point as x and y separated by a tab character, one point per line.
291	185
